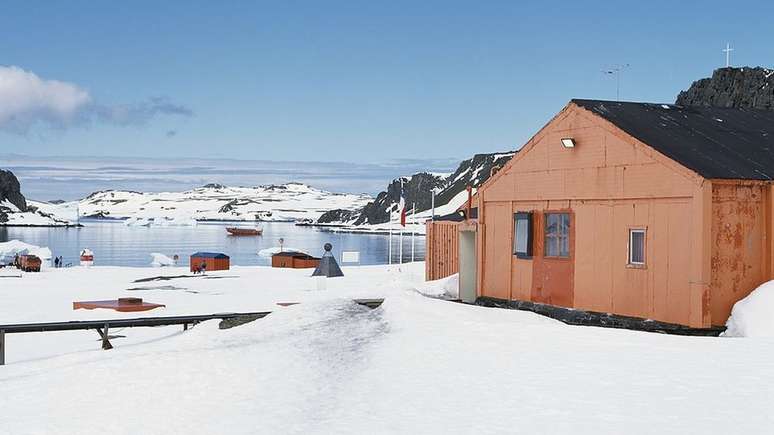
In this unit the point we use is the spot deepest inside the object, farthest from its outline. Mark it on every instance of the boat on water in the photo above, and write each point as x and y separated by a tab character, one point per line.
236	231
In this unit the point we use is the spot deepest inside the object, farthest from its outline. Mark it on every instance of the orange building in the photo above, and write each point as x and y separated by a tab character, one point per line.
645	210
212	260
294	260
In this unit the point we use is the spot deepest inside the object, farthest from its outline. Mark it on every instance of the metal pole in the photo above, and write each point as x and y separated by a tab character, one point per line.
432	202
105	339
2	348
400	248
413	230
389	248
400	239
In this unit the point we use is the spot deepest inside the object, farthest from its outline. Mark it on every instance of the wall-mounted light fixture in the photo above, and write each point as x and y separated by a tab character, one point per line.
568	142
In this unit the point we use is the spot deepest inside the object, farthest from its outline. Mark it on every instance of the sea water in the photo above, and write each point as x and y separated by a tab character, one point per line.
116	244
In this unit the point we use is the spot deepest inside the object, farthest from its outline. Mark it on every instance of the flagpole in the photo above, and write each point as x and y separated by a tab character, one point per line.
389	248
400	249
432	213
413	228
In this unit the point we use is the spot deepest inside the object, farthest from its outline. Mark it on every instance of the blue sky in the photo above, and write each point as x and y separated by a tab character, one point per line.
352	81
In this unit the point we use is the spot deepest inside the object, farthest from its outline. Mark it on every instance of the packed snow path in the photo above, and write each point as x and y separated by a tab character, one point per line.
415	365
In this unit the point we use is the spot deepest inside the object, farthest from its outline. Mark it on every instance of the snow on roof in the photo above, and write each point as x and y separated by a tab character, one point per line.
209	255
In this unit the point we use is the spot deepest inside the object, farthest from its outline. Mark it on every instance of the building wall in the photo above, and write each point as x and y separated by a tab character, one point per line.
739	243
441	249
609	183
212	263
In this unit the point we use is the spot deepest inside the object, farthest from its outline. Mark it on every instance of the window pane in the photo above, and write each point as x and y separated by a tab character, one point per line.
564	235
637	254
557	235
521	236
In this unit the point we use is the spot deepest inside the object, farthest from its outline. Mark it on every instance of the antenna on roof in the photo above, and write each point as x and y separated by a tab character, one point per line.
616	71
728	51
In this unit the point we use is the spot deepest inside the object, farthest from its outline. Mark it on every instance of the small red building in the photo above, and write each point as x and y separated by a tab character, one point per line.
212	260
294	260
29	263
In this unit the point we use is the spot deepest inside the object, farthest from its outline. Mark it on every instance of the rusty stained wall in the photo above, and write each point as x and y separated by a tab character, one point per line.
441	249
611	183
738	244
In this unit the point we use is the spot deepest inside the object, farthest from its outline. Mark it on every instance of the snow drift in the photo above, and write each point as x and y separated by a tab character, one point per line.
8	250
160	260
753	315
444	288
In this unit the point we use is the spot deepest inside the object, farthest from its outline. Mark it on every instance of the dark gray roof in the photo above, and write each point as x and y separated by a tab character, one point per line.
714	142
209	255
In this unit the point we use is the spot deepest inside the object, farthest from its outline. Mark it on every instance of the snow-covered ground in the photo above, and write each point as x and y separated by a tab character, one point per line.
40	215
286	202
415	365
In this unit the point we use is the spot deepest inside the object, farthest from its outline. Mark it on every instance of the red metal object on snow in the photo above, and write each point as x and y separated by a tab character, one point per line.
120	304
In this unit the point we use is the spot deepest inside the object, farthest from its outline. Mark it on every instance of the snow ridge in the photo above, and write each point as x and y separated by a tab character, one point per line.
285	202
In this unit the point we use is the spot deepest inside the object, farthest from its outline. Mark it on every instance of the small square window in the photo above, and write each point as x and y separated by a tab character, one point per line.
522	234
637	247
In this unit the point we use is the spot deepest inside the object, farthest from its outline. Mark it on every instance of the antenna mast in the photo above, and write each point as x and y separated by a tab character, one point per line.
616	71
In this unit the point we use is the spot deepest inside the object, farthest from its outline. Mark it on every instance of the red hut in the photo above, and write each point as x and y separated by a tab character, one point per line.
212	261
294	260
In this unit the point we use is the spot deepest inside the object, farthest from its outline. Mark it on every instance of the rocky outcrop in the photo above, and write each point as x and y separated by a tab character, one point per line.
10	190
472	172
732	87
418	189
339	215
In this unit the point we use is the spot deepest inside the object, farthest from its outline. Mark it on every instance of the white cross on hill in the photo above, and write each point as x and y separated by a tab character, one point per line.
728	51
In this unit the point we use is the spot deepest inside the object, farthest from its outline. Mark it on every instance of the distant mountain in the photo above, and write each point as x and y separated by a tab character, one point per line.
285	202
418	190
16	211
732	87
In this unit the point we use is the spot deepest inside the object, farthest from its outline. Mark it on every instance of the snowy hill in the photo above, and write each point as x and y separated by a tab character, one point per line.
15	210
418	189
286	202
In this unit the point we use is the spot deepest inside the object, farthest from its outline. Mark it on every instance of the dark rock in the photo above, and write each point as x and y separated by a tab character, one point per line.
338	215
751	88
418	189
472	172
11	191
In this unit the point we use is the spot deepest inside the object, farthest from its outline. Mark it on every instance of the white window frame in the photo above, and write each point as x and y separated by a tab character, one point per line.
644	233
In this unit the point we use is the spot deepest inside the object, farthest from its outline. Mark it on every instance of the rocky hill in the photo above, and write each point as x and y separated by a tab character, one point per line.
10	191
418	189
16	211
732	87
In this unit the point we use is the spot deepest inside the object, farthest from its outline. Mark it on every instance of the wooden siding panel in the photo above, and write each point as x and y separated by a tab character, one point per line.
678	300
442	249
585	259
738	244
497	273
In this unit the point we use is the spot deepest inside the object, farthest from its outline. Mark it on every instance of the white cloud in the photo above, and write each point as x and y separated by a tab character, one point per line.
27	100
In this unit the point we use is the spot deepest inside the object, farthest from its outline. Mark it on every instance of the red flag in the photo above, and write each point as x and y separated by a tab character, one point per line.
402	207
